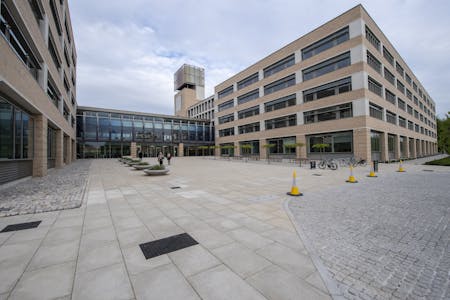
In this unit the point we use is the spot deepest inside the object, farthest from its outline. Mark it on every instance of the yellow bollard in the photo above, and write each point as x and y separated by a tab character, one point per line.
294	190
372	171
400	167
351	178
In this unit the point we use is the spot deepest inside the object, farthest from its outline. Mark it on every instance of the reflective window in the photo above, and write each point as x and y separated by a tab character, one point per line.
327	90
280	103
247	81
279	66
279	84
326	43
327	66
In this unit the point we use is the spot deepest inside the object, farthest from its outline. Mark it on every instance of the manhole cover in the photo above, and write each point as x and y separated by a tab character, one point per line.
167	245
21	226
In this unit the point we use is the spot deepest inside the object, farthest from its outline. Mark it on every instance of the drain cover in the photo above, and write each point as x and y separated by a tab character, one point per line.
5	208
167	245
317	174
428	170
175	187
21	226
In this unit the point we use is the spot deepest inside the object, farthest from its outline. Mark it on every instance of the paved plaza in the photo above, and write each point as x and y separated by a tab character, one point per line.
248	248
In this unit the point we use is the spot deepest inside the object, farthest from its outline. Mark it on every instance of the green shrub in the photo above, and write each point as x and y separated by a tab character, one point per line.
157	167
143	163
440	162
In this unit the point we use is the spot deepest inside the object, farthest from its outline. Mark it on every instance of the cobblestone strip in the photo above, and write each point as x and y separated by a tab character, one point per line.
60	189
384	239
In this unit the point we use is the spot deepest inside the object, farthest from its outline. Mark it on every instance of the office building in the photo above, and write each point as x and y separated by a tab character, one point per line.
106	133
189	84
343	85
37	88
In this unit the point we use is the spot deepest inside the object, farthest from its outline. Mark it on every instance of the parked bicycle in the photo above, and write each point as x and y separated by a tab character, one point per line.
328	163
358	162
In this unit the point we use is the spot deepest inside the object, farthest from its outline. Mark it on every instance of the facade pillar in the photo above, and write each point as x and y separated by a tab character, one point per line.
133	150
397	150
418	152
301	151
262	150
40	146
384	146
68	147
237	149
361	143
413	154
180	149
74	150
59	159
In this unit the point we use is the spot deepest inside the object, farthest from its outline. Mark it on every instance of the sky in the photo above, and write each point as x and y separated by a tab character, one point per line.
129	50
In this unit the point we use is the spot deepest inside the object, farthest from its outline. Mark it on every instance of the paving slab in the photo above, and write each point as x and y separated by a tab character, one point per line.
194	259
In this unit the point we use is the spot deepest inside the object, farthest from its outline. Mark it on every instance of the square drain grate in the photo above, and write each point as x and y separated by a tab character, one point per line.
167	245
21	226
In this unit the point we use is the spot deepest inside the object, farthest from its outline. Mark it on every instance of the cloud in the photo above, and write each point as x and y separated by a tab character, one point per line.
128	52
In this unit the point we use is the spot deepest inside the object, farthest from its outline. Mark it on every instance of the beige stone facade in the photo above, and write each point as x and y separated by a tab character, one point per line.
329	86
38	79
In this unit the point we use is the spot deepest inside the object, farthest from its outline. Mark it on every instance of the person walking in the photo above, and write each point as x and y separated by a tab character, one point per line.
169	156
160	158
140	155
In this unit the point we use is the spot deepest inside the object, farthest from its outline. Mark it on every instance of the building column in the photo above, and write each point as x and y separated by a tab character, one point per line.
74	150
301	151
59	159
133	150
414	150
406	139
40	146
361	143
68	145
397	151
418	152
262	150
384	146
237	149
180	150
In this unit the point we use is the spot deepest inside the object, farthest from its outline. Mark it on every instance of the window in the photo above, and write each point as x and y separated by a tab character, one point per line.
327	90
376	111
66	57
280	103
36	8
389	96
52	93
416	127
416	114
13	35
328	113
226	132
388	56
279	145
66	84
409	109
389	76
340	142
401	122
330	65
408	79
408	94
372	38
248	97
326	43
254	147
249	112
373	62
375	87
410	125
416	101
225	92
66	26
252	127
415	87
285	121
279	66
225	105
279	84
55	16
53	53
399	69
391	117
401	104
400	87
226	119
247	81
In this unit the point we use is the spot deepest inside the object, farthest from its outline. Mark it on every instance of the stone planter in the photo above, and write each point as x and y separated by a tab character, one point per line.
156	172
141	167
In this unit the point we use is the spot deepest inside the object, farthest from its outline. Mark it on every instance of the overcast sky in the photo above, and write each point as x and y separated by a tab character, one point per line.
129	50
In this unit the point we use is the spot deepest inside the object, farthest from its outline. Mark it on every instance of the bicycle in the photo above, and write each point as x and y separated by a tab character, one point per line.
358	162
330	163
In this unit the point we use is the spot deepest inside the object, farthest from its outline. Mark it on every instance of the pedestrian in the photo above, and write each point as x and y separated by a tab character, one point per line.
169	156
160	158
140	155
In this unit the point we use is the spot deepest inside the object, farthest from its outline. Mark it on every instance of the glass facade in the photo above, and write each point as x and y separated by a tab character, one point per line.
103	134
16	134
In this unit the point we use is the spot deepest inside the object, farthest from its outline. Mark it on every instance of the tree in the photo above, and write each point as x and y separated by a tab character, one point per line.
443	132
203	148
290	146
246	149
321	148
268	147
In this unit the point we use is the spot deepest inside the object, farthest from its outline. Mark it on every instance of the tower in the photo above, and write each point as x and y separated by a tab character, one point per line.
189	83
